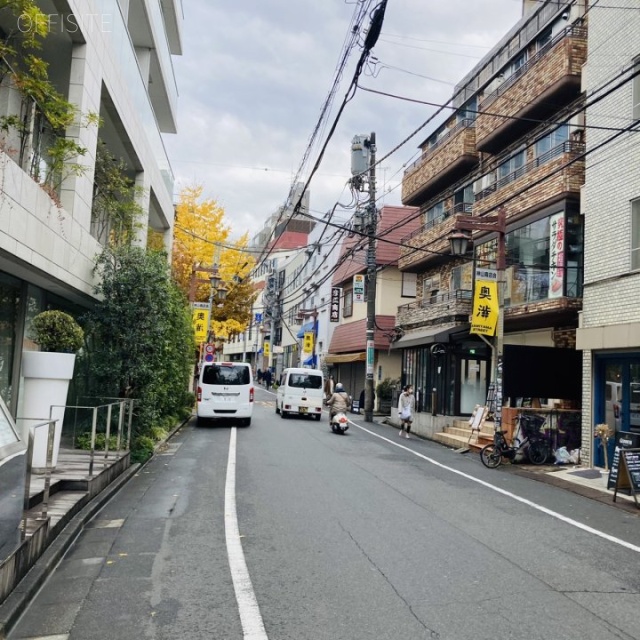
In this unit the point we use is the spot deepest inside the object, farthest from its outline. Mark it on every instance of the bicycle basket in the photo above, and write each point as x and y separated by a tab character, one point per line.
531	424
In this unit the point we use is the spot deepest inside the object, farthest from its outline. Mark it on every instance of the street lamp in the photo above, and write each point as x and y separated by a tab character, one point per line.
459	242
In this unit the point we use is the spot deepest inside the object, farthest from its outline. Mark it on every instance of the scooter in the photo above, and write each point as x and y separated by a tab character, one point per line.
339	423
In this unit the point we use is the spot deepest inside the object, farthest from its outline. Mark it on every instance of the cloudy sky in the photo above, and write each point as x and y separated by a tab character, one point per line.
255	73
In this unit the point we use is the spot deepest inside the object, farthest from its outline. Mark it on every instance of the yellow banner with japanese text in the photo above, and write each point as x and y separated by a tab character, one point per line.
200	323
485	308
307	345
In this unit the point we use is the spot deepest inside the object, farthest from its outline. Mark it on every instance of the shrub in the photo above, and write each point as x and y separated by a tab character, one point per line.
83	441
57	331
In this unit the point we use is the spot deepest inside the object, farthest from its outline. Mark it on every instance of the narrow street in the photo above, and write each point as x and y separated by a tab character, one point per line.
357	537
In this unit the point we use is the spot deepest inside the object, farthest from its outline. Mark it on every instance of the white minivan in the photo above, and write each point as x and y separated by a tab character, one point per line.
225	391
301	392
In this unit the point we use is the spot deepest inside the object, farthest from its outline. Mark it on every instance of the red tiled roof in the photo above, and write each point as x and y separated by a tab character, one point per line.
260	285
351	336
394	224
290	240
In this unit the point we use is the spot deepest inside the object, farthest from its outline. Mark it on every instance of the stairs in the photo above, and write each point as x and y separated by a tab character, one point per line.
461	436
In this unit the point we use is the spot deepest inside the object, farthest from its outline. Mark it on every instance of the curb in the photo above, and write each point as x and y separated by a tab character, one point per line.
19	599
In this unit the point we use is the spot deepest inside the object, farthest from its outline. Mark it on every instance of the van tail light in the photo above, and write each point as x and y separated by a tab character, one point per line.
251	394
199	394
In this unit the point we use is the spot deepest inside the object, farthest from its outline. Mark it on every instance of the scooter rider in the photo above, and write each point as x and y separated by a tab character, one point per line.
339	401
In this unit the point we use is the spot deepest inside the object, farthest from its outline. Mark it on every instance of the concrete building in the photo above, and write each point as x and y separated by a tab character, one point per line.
609	332
515	139
347	350
113	59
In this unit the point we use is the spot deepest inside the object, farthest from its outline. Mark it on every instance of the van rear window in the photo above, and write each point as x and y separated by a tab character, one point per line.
225	374
305	381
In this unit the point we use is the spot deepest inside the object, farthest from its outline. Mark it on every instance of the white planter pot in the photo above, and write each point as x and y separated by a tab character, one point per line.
46	383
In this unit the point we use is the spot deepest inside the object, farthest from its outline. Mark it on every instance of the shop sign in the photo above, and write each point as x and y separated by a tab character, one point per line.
556	255
485	308
358	287
336	295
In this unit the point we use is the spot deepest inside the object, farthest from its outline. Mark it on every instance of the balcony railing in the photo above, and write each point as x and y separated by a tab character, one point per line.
569	146
464	208
568	32
444	306
466	123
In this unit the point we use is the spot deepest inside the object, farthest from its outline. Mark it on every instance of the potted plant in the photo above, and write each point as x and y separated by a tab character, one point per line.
47	373
384	393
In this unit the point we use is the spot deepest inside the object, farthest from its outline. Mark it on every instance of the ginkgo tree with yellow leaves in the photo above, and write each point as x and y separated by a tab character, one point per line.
202	239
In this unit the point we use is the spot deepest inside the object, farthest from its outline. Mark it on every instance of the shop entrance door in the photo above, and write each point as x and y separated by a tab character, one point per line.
472	379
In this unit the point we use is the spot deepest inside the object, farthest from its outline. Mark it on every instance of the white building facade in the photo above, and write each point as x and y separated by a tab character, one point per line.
108	58
609	333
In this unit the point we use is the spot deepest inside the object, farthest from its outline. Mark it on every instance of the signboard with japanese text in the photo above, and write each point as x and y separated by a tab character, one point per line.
266	348
556	255
307	345
485	303
200	320
358	287
334	312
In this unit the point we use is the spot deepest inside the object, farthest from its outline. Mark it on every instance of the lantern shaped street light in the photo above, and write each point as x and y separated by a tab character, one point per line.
459	242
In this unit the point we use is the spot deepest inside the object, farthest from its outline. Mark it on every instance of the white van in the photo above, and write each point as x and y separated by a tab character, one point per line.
301	391
225	390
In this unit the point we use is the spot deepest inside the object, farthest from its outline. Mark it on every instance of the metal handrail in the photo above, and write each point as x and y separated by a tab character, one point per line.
51	424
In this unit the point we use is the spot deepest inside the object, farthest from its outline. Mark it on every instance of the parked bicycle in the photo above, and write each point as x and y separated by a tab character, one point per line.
536	446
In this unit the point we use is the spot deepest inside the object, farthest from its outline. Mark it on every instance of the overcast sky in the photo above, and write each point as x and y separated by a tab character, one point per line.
255	73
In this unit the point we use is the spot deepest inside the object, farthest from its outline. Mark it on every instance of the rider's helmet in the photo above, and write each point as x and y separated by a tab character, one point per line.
339	387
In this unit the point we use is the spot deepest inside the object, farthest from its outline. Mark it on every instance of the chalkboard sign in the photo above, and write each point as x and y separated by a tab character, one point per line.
355	406
614	470
627	475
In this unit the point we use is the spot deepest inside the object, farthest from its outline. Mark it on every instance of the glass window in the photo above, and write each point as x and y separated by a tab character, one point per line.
511	167
347	309
227	374
552	140
409	284
635	234
435	213
304	381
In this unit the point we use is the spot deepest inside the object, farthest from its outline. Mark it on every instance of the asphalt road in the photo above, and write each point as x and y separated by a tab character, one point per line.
357	537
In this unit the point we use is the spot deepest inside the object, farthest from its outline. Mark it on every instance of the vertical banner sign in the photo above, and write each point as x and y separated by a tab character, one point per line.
371	356
336	295
307	345
485	303
266	348
358	287
556	255
200	320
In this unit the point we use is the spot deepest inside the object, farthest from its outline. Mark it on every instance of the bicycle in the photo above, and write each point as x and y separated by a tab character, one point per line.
535	444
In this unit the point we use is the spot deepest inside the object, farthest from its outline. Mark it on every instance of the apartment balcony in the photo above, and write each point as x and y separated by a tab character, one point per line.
551	177
452	157
430	243
544	84
446	307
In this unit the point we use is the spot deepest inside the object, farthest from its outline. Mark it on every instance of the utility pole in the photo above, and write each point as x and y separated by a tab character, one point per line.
372	220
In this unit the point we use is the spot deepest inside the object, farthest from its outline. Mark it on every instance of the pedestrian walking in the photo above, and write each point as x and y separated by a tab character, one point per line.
406	406
259	374
266	376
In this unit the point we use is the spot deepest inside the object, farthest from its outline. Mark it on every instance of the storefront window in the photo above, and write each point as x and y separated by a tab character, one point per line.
544	259
10	289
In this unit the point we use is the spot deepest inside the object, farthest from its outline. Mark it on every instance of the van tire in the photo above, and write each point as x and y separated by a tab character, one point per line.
277	410
283	414
317	417
199	421
246	422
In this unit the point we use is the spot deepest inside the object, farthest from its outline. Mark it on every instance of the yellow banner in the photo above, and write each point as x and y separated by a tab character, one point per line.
485	308
307	345
266	348
200	321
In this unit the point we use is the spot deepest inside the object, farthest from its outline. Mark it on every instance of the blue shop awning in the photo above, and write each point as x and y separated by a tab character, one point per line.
305	328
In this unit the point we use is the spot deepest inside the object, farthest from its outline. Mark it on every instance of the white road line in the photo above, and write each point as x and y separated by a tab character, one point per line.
513	496
250	618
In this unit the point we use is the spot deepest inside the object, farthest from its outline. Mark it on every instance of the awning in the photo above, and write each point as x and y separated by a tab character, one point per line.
308	327
428	335
337	358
